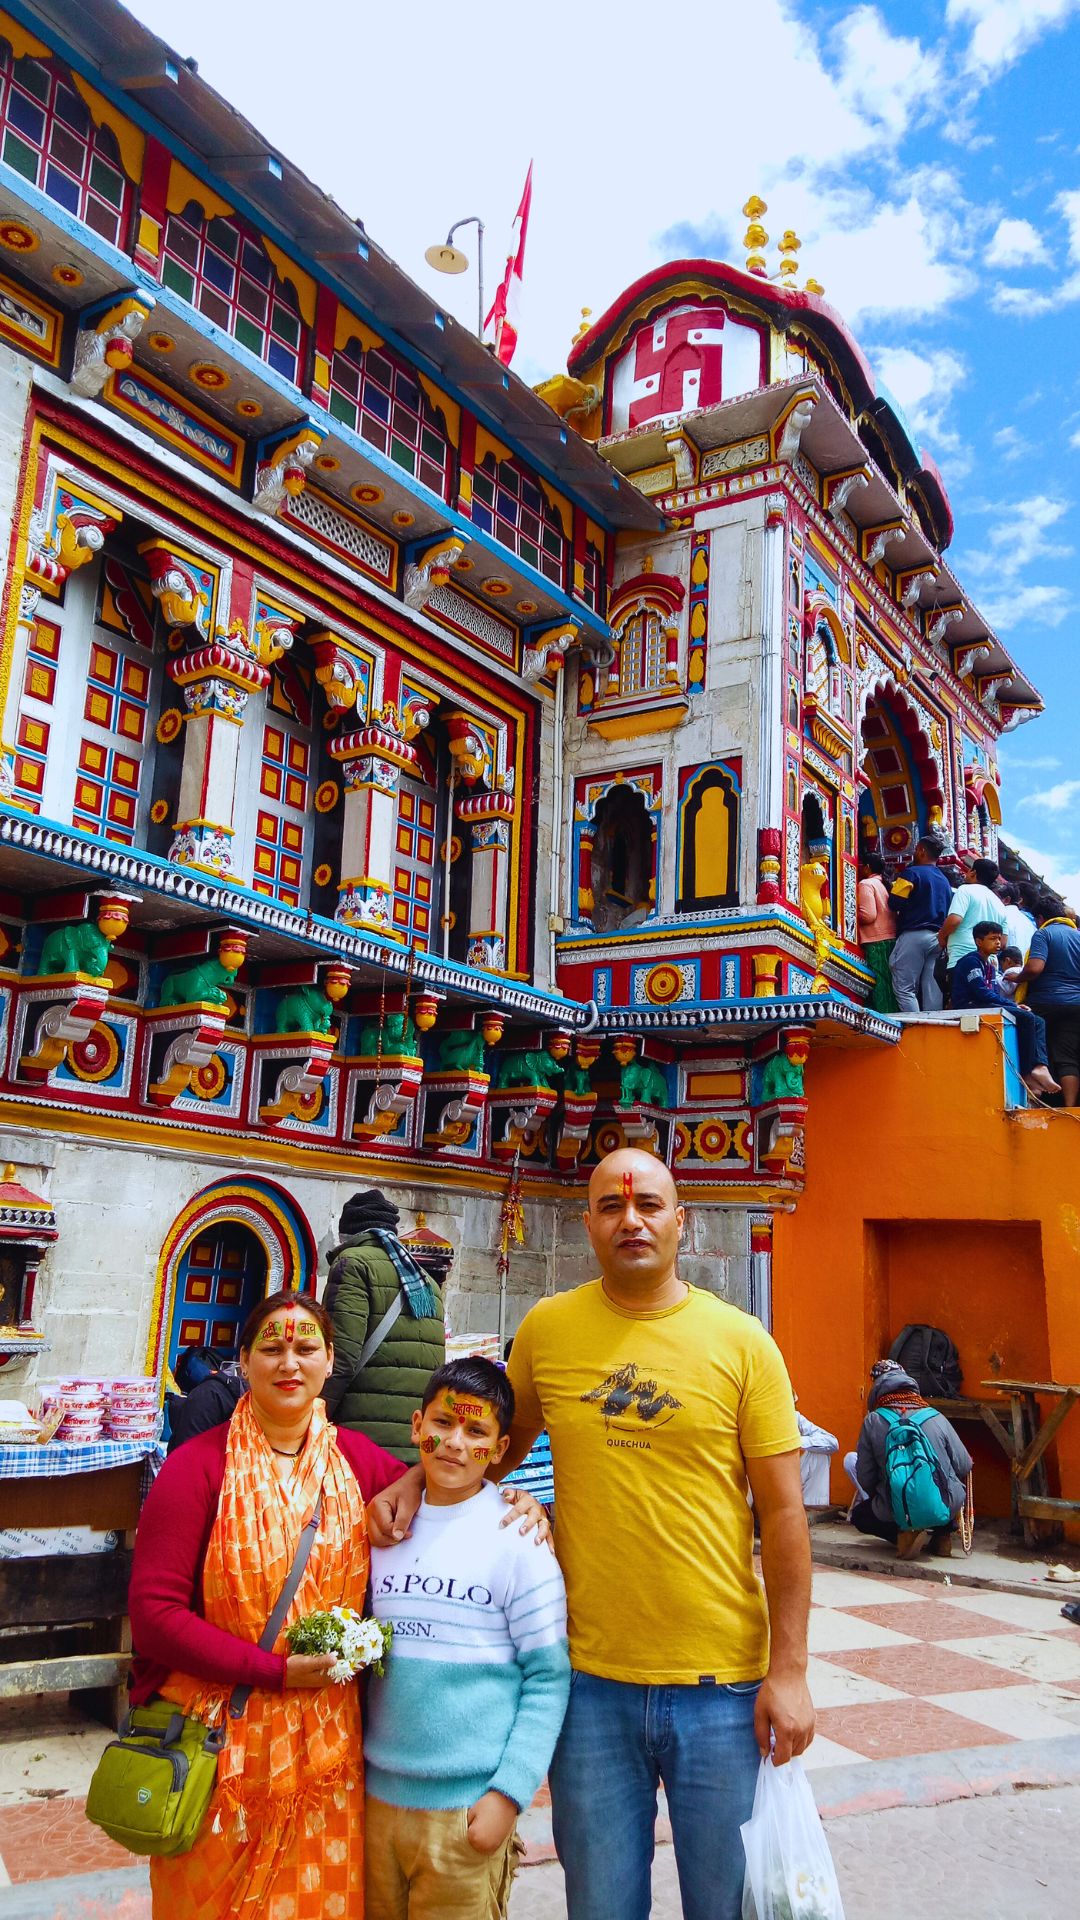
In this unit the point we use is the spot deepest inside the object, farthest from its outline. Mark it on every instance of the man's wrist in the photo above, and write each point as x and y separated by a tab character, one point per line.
791	1666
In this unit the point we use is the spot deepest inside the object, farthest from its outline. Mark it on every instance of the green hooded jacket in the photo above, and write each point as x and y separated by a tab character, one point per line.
379	1402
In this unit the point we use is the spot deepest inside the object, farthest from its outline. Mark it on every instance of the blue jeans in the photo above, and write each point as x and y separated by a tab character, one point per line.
618	1742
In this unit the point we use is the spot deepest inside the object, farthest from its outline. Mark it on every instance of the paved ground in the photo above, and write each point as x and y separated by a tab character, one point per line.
995	1859
931	1698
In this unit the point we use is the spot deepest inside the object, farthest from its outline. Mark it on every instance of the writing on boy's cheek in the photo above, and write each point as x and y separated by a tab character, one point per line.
430	1443
481	1453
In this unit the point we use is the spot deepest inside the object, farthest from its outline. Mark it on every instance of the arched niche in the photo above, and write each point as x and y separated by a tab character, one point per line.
708	860
623	859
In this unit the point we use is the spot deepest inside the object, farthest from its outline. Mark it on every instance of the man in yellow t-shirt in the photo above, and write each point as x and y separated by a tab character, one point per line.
663	1405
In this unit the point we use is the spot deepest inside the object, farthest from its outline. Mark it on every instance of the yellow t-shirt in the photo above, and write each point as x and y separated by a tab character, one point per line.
651	1417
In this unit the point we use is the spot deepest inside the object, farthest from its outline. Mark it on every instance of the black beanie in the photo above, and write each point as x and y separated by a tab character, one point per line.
367	1210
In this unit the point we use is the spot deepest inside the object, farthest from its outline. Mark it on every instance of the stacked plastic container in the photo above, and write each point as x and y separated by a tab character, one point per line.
97	1409
132	1412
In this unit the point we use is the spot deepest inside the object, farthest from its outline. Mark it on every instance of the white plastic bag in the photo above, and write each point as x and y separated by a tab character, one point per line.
789	1869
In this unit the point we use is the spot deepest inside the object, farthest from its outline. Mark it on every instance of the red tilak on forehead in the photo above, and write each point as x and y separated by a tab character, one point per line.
628	1186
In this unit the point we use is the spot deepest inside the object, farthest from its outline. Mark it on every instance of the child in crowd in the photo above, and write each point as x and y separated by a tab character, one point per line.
977	983
459	1733
1010	967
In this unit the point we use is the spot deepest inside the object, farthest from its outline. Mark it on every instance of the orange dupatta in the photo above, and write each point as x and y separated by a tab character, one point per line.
285	1819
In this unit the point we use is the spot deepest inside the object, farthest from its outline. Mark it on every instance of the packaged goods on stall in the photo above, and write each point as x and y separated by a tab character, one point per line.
92	1409
44	1543
19	1428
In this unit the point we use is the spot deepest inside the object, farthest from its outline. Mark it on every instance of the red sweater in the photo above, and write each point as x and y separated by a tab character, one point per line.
165	1596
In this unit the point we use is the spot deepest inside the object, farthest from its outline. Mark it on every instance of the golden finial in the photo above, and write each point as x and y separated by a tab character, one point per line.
755	237
789	249
421	1222
813	286
583	328
9	1173
647	564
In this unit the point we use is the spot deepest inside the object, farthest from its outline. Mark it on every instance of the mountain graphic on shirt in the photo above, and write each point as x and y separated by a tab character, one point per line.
628	1402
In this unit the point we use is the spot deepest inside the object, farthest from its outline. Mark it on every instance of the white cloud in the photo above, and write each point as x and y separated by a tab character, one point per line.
1001	30
924	383
1011	443
1056	799
1074	440
1034	763
1028	607
852	93
1021	301
1016	243
1018	538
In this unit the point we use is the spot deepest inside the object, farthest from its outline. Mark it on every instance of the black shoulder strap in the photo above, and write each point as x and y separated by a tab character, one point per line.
238	1699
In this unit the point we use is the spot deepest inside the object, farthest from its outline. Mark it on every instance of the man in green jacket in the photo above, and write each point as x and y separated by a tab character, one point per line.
388	1326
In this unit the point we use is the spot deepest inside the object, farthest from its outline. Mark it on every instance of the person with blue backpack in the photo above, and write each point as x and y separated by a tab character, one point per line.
911	1467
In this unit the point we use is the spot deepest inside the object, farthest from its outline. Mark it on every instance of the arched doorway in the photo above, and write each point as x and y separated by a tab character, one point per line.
221	1275
233	1243
901	797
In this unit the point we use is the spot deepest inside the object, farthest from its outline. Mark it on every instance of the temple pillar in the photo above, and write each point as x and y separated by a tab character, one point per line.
371	760
490	816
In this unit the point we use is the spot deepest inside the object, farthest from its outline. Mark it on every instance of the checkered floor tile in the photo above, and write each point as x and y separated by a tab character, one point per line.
899	1668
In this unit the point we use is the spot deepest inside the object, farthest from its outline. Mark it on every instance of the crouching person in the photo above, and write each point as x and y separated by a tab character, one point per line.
911	1467
459	1732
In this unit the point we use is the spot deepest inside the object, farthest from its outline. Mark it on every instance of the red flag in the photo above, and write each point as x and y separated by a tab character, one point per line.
506	307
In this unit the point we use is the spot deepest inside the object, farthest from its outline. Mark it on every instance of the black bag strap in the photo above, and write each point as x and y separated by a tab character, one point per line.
238	1699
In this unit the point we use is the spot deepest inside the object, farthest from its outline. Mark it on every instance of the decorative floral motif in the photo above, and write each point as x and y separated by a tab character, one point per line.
96	1056
169	725
327	796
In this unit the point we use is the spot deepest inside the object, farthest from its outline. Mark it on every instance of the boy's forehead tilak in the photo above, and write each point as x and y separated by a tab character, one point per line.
466	1406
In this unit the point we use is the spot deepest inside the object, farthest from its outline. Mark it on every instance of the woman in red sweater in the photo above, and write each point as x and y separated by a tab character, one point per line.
218	1535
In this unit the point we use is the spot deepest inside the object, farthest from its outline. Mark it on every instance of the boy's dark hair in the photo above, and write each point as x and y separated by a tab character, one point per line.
874	861
985	871
1008	894
932	845
481	1378
1012	955
983	927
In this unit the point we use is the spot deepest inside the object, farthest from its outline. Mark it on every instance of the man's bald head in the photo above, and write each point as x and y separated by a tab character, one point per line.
630	1164
634	1220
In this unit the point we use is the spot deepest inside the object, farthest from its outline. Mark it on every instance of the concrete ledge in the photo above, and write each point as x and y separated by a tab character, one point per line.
839	1546
931	1779
123	1894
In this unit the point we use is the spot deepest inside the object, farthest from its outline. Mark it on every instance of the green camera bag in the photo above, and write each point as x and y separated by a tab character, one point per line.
152	1785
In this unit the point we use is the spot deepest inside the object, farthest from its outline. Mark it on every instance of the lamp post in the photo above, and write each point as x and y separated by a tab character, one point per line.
450	259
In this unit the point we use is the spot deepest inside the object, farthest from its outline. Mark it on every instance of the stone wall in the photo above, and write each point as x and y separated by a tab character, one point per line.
116	1203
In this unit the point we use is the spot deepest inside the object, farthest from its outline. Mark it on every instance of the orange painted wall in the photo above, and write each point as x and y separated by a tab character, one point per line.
926	1200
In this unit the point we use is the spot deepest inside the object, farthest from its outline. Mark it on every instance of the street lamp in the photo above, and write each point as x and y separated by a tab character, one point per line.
450	259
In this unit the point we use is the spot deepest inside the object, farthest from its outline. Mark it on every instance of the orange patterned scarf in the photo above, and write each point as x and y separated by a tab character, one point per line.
288	1746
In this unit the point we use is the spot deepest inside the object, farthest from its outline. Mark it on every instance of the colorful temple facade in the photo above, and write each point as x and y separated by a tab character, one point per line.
409	778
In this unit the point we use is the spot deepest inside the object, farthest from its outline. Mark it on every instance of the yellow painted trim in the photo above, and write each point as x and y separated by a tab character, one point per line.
347	327
130	140
20	41
629	726
149	234
18	571
560	504
160	429
443	404
823	548
47	350
596	535
303	283
486	443
185	186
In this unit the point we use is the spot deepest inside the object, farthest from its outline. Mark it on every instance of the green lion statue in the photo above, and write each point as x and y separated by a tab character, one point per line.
536	1068
640	1083
303	1010
462	1052
398	1036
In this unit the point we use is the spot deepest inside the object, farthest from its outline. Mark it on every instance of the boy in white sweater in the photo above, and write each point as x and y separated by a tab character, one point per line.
459	1733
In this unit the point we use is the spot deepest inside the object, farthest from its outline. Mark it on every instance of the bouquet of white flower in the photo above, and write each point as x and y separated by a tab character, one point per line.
355	1641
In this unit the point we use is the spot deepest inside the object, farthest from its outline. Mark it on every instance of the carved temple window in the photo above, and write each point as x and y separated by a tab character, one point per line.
223	270
623	860
50	139
382	400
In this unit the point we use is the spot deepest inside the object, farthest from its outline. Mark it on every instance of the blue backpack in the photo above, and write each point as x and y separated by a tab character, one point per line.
918	1488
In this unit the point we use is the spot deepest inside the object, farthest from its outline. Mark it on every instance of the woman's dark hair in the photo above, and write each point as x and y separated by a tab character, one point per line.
280	1303
475	1376
874	861
1007	893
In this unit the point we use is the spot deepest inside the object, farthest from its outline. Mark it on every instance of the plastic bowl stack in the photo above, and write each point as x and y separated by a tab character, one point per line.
83	1401
132	1410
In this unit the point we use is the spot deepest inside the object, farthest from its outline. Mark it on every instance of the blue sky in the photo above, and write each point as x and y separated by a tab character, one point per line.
928	153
